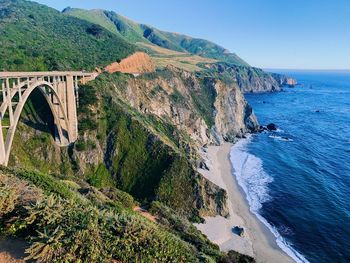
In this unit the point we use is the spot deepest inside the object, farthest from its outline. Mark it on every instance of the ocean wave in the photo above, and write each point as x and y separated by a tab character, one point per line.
280	138
250	175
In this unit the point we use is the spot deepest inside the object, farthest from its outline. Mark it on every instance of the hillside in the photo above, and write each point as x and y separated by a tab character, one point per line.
184	52
36	37
135	33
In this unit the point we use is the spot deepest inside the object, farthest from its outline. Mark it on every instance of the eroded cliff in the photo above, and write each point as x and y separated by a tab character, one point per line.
142	134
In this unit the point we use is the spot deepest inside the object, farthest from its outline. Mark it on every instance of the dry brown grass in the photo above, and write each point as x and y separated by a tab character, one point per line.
16	192
163	57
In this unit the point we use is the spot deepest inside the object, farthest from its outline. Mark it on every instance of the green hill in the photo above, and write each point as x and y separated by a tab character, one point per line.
36	37
135	32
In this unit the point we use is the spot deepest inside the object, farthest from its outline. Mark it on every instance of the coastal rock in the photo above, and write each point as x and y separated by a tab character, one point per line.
203	165
234	117
238	231
211	199
180	98
248	79
271	127
284	80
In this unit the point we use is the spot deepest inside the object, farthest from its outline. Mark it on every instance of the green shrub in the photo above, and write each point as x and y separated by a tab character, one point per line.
183	228
235	257
72	233
8	198
50	40
119	196
176	188
101	177
47	183
80	146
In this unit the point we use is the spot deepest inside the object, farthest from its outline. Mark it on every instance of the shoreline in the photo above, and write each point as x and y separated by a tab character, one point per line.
257	241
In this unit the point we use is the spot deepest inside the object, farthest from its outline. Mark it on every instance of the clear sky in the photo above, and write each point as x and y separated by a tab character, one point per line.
298	34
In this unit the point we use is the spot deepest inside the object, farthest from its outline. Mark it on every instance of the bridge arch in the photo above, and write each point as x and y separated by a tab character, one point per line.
48	92
59	90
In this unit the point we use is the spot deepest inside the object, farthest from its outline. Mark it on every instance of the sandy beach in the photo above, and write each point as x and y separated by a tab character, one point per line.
257	240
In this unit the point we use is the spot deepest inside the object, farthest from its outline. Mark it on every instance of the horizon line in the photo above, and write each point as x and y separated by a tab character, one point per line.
305	69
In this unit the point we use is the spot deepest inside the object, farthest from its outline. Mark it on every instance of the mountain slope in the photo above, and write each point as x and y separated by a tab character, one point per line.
184	52
36	37
135	32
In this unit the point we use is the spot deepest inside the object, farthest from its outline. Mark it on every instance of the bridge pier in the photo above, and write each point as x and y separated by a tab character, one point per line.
59	90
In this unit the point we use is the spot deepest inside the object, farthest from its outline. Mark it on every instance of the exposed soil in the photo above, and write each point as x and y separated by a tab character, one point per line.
144	213
12	251
137	63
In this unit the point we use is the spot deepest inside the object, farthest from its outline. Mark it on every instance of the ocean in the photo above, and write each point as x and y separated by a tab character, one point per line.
297	179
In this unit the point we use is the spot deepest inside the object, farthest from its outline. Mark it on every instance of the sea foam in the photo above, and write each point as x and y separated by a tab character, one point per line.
251	177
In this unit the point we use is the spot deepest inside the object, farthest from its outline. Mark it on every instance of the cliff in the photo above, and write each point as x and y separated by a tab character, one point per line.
160	119
284	80
248	79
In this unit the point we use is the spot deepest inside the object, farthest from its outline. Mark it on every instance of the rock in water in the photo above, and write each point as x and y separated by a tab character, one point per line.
271	127
238	231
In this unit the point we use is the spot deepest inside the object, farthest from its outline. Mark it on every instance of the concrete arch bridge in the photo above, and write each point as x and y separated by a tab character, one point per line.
60	90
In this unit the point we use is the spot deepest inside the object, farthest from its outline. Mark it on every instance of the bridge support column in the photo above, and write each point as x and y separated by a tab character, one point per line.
72	109
2	146
60	103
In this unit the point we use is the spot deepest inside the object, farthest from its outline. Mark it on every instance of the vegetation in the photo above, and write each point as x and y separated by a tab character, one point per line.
149	38
204	101
75	204
62	230
35	38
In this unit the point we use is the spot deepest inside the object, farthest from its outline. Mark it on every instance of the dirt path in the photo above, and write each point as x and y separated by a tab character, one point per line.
145	213
12	251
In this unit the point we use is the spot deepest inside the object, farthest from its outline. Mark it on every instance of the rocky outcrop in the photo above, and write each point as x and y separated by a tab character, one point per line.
234	117
221	115
137	63
284	80
248	79
211	199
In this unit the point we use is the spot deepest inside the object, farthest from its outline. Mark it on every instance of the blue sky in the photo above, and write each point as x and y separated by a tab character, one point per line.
297	34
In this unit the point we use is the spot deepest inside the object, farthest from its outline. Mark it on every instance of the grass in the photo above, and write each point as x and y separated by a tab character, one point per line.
204	100
163	57
95	16
38	38
63	230
48	183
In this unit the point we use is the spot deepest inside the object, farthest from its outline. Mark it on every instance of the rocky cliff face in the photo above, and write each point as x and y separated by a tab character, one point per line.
207	109
142	134
248	79
284	80
234	117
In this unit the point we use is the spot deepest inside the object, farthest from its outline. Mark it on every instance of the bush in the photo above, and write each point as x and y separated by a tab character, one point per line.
95	30
80	146
235	257
120	197
183	228
176	188
101	177
8	199
47	183
74	233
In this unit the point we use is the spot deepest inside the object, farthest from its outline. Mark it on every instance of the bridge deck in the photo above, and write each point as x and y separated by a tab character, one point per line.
43	73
